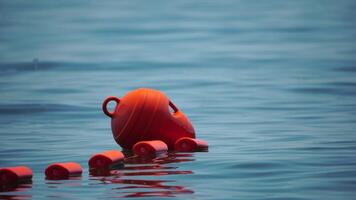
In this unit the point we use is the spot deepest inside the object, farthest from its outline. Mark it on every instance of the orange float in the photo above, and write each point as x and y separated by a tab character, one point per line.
189	145
153	147
63	170
106	159
143	115
13	175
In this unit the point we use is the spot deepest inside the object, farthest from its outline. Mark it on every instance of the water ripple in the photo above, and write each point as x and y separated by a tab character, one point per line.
18	109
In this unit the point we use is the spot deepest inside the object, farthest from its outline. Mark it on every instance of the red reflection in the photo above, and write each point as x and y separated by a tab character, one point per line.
118	171
100	172
168	190
156	173
162	159
64	178
158	193
15	188
69	182
15	197
146	166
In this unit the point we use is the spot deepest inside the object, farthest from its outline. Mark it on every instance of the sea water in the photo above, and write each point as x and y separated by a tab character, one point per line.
270	85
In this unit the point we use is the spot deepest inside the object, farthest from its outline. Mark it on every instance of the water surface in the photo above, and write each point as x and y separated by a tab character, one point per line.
270	85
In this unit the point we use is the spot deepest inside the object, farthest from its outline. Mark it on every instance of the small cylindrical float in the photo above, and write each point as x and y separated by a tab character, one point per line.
187	144
153	147
106	159
63	170
13	175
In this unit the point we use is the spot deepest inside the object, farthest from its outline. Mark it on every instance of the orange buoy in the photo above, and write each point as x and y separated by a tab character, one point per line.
63	170
145	148
186	144
12	175
143	115
106	159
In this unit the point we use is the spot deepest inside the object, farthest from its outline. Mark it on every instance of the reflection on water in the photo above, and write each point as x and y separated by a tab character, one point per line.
137	177
126	184
15	191
15	197
70	181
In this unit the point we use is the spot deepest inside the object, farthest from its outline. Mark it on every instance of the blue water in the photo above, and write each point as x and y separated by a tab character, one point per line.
270	85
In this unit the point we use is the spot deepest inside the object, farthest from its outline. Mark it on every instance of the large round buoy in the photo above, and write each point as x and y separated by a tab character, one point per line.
144	114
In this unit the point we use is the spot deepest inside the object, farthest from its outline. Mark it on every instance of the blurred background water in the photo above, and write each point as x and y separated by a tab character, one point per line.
270	85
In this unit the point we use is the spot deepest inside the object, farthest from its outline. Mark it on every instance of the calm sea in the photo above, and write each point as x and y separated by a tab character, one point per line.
270	85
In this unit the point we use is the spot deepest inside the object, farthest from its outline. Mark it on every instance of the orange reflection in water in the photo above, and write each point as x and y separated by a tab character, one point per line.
145	167
15	191
163	190
74	181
